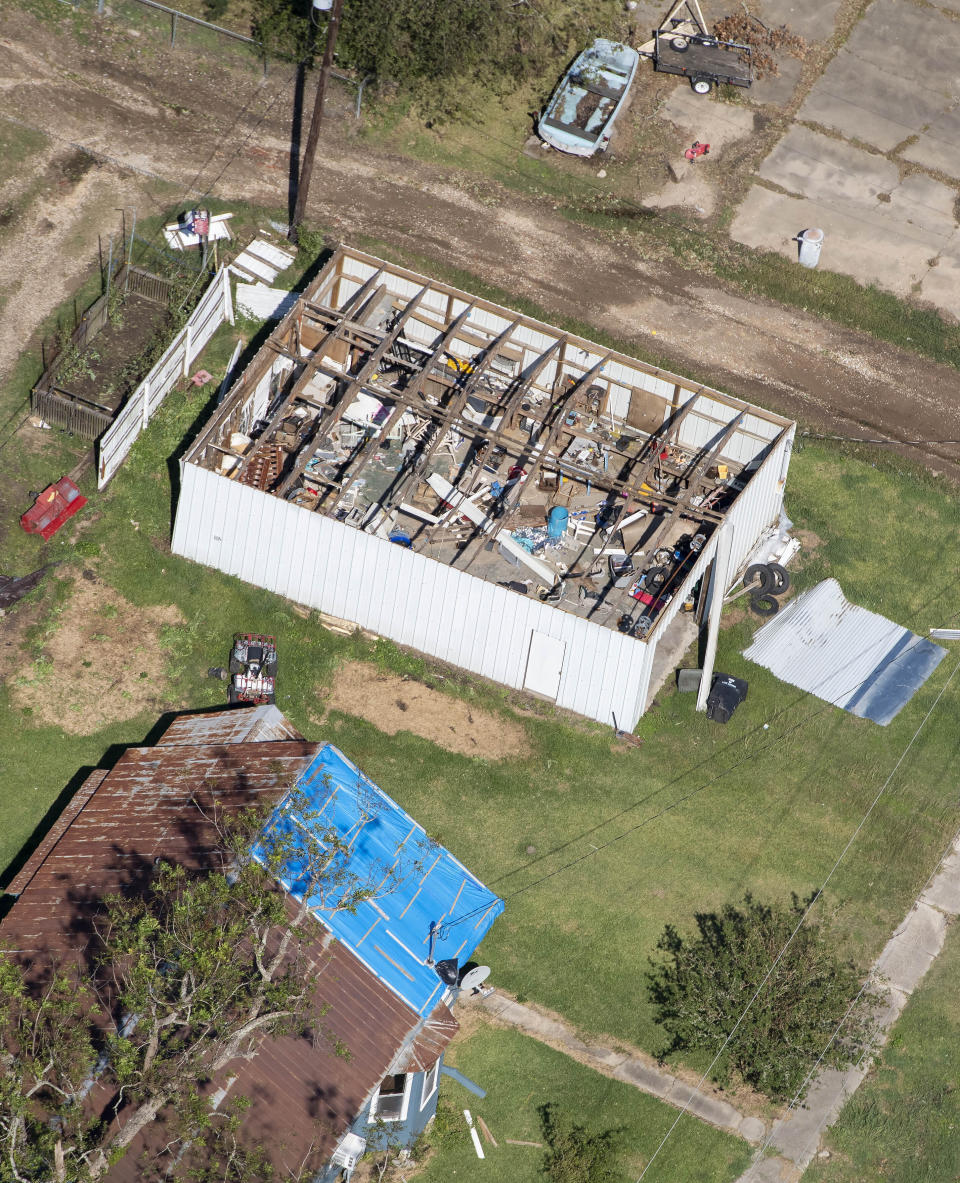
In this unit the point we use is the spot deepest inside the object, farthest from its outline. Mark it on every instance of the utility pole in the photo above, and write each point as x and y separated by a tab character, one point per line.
306	169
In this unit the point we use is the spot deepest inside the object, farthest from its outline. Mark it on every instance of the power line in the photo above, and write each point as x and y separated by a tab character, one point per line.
670	806
806	913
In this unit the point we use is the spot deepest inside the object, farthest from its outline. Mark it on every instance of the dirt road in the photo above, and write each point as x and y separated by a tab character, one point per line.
164	125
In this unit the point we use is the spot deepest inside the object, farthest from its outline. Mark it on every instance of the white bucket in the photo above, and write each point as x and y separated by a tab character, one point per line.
811	242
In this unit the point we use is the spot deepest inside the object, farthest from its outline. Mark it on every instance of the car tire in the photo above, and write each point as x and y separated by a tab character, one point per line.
236	667
779	579
701	85
764	604
758	575
232	696
271	669
679	44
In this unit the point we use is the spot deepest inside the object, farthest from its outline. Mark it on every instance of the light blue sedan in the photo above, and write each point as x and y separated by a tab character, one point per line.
581	113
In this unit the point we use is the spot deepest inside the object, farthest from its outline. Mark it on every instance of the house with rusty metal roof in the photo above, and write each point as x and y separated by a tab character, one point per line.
386	973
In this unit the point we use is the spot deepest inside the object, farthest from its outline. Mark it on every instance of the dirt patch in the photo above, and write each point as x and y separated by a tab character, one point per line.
399	704
102	664
810	543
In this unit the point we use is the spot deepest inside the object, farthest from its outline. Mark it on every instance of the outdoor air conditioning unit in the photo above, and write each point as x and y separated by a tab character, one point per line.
349	1151
322	5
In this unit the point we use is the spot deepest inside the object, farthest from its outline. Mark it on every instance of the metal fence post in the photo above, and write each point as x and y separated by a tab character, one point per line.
100	6
173	29
133	230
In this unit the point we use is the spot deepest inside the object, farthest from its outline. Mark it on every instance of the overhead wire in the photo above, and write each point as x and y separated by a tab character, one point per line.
813	901
672	805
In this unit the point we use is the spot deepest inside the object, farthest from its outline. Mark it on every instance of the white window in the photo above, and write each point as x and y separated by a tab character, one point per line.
392	1099
430	1084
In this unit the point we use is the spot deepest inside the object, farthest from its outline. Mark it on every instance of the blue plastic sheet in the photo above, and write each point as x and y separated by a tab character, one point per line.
415	882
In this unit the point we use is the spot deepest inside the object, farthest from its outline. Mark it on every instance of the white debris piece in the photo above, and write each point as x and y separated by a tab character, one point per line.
260	302
261	261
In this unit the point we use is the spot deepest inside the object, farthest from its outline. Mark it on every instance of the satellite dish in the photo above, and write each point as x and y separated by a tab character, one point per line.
474	978
447	971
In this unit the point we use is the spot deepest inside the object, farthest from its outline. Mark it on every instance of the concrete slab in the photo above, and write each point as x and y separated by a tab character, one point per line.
711	121
797	1136
752	1129
892	79
812	19
910	951
854	244
814	165
648	1079
925	204
889	1010
944	891
937	146
776	89
716	1113
941	285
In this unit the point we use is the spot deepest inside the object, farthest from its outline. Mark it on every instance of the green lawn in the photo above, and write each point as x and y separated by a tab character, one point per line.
903	1124
696	817
520	1075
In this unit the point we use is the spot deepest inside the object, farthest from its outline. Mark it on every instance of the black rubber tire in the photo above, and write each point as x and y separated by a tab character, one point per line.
764	604
679	44
232	696
271	699
218	672
701	85
759	574
779	577
236	667
271	669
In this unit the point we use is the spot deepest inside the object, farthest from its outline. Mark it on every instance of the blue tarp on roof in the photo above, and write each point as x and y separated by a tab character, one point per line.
415	881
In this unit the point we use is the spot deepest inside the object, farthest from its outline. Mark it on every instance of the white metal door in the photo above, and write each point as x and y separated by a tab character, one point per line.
544	665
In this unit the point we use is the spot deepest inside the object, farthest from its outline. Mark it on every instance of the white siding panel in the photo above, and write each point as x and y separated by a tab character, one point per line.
401	594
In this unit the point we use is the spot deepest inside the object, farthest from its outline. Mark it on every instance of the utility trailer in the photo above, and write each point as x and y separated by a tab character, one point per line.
684	45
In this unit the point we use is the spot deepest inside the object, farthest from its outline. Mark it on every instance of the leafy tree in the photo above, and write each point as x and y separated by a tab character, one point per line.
442	53
190	972
707	980
575	1154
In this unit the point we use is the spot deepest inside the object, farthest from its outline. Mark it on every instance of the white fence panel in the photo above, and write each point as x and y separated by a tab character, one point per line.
214	308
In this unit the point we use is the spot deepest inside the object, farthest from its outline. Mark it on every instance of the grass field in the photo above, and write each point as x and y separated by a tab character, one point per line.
623	841
903	1123
520	1075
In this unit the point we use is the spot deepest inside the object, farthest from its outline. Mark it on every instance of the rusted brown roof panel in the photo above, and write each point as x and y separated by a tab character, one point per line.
303	1096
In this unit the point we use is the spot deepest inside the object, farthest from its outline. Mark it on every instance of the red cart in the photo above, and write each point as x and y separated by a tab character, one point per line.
52	508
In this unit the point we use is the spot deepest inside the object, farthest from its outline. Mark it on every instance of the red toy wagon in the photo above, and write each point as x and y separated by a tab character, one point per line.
52	508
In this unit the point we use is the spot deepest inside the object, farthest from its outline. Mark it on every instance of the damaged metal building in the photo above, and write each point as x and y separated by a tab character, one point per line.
482	487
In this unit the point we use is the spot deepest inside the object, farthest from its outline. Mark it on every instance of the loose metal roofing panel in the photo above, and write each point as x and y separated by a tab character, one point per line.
845	654
415	882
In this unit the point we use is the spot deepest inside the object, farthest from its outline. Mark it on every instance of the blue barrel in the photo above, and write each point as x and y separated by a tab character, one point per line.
557	522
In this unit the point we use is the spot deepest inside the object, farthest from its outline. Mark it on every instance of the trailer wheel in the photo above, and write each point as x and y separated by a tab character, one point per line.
701	85
679	44
236	666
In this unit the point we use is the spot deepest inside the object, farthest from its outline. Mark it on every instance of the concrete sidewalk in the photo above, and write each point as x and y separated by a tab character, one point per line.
897	972
640	1071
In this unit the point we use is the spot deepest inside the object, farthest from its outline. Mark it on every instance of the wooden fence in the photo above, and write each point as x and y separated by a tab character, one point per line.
77	417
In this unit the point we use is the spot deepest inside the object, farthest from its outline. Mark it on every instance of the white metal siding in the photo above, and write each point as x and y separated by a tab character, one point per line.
403	595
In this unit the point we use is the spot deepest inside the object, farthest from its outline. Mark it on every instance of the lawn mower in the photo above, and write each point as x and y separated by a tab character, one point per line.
252	670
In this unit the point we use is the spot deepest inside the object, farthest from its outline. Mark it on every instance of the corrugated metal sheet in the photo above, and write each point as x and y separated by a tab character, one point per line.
303	1095
401	594
844	654
250	724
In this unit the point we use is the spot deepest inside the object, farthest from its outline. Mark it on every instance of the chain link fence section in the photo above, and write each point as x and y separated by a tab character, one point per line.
181	30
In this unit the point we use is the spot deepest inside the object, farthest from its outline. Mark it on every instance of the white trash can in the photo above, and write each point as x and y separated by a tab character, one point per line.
810	242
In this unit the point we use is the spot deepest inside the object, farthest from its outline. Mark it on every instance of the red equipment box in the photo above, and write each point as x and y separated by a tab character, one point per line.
52	508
